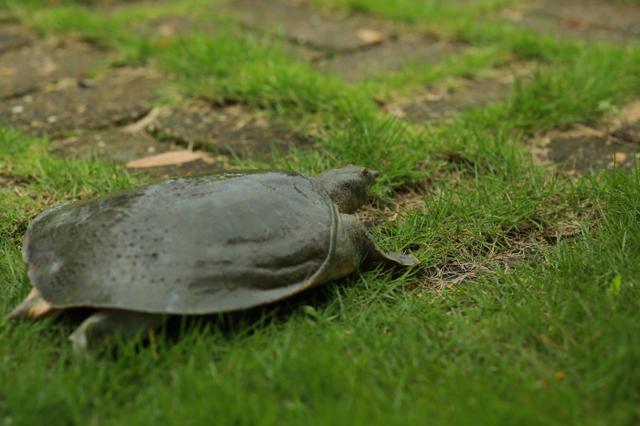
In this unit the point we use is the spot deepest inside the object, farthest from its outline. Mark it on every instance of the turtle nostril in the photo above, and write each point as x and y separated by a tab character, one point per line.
373	173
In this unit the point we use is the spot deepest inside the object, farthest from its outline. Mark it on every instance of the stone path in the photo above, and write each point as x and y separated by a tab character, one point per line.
304	24
591	19
119	97
388	56
613	143
441	102
121	145
64	90
229	129
35	66
13	36
352	47
46	89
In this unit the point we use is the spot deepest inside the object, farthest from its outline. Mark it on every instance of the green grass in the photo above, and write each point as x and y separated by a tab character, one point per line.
525	308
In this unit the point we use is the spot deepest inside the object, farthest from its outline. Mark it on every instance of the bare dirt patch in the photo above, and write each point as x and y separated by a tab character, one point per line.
526	245
404	200
8	180
38	66
120	96
231	129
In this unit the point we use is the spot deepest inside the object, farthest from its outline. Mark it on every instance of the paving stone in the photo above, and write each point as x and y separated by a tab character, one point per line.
307	25
121	96
440	103
166	29
169	27
34	67
115	144
302	52
391	55
112	4
13	36
229	129
582	149
629	133
166	26
123	146
592	19
187	169
6	17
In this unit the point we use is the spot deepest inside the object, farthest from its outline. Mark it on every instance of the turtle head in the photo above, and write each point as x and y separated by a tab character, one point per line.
347	186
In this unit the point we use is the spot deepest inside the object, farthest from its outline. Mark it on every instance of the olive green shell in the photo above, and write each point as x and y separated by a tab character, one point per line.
193	245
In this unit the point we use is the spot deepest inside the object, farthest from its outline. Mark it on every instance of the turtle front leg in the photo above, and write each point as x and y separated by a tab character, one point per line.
108	323
368	248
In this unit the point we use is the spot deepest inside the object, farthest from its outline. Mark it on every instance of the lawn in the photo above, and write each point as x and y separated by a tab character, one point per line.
525	308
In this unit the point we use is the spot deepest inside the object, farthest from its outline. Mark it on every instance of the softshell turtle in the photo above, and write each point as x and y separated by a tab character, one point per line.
196	245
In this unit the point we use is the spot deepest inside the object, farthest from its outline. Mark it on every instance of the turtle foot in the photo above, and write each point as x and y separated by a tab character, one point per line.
33	306
398	259
106	324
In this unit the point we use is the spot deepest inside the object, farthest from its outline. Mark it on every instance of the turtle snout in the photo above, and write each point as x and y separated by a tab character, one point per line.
370	174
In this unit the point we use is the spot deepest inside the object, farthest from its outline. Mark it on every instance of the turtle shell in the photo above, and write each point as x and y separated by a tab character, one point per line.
192	245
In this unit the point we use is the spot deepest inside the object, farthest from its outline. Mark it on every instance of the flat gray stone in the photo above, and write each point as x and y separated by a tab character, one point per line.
123	146
587	19
389	56
230	129
116	5
36	66
186	169
114	144
6	17
629	133
583	149
591	153
13	36
305	24
121	96
174	26
441	103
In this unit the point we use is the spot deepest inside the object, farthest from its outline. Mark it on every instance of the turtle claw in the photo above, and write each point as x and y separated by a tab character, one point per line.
33	306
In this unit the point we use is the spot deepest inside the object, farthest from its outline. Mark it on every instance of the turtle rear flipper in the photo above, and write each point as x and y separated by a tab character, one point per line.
109	323
33	306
